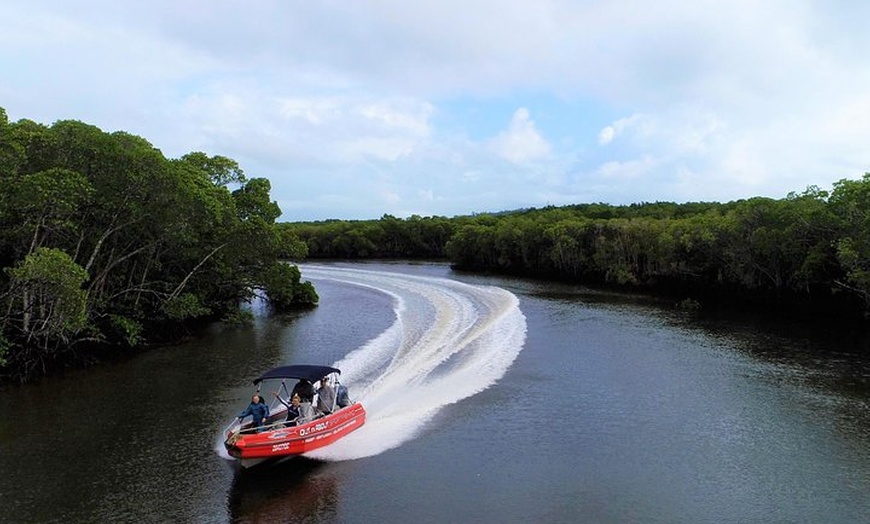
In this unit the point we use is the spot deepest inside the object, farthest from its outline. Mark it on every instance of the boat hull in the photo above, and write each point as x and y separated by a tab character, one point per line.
280	442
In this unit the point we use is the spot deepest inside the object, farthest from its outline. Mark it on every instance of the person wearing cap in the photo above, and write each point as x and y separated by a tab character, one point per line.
325	397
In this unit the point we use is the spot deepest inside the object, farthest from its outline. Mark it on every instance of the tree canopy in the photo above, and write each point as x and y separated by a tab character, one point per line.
809	251
105	243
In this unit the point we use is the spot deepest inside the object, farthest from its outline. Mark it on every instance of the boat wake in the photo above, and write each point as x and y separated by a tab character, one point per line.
449	341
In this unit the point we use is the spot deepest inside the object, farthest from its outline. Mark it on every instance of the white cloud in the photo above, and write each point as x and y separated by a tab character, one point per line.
413	119
391	197
427	195
635	122
630	169
378	148
680	130
708	100
521	142
311	130
606	135
312	110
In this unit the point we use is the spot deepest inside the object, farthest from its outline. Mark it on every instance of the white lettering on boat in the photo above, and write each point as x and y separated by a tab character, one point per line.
317	427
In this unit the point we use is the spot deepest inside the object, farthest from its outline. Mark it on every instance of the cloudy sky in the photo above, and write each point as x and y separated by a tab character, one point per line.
354	108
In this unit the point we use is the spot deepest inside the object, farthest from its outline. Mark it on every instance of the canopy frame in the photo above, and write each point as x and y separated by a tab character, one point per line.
308	372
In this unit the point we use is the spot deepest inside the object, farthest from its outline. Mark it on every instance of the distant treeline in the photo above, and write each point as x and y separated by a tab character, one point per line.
808	251
107	245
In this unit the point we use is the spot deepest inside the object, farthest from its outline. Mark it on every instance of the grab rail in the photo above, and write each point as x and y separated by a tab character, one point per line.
237	426
246	427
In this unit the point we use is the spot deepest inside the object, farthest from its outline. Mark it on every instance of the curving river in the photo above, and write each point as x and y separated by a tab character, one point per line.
489	400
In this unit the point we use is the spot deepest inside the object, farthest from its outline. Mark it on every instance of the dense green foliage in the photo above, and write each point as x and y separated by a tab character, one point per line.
808	251
106	244
388	237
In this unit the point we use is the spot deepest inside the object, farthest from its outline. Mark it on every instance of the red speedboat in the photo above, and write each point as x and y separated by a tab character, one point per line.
279	438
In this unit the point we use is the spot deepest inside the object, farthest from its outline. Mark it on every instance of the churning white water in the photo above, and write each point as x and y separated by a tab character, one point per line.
449	341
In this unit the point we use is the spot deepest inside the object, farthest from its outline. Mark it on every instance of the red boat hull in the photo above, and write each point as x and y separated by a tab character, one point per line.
285	442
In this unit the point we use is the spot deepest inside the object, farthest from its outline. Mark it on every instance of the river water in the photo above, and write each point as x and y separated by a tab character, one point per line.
489	400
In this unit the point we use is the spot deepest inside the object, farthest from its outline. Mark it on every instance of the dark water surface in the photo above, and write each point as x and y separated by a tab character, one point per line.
614	410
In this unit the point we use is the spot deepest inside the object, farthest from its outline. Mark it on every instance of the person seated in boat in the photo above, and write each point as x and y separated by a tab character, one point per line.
293	408
258	410
325	397
342	398
305	390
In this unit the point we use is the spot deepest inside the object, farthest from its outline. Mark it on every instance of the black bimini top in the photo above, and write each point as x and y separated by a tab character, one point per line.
309	373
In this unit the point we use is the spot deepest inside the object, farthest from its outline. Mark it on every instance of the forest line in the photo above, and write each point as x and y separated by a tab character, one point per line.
808	252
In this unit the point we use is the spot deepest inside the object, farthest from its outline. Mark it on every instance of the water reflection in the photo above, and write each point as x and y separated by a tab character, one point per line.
823	355
823	364
295	490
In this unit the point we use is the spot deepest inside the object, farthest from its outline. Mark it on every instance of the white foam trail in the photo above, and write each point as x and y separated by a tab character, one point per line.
449	341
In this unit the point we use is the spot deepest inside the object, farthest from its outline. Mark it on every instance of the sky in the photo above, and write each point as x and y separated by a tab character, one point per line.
358	108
